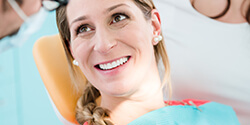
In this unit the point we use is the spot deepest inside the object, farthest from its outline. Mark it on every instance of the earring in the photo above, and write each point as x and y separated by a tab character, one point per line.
157	39
75	63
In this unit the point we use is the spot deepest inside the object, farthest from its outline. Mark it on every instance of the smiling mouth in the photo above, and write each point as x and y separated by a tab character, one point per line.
113	64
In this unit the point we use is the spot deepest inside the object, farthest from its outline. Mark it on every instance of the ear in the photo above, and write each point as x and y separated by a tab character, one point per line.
156	24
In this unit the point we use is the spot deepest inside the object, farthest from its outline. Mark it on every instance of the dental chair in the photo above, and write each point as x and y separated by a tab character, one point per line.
52	65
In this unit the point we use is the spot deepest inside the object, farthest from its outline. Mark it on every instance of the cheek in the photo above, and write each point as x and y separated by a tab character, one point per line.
138	36
82	53
80	50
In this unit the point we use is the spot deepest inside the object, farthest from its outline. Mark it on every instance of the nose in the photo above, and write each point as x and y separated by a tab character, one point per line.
104	41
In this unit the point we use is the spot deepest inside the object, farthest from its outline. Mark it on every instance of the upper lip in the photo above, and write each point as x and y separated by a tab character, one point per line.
110	61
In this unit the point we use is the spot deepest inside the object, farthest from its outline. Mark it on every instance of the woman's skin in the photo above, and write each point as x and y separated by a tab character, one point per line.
103	31
213	8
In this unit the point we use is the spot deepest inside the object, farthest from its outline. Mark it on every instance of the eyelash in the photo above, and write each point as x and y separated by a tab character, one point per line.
112	22
80	27
117	15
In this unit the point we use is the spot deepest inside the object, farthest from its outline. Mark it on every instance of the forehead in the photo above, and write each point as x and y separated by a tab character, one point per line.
77	8
87	4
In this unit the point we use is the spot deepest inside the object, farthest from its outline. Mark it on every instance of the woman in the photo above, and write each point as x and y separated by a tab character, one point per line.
208	44
117	46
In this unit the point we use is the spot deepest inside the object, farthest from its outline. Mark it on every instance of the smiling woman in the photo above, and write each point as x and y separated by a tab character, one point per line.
117	45
103	37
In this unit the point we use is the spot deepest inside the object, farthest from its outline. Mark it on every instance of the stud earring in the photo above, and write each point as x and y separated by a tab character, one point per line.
157	39
75	63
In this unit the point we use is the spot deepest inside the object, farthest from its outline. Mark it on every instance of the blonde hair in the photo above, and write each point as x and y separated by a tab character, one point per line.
87	109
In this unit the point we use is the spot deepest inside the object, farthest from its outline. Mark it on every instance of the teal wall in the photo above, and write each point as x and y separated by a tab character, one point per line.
23	99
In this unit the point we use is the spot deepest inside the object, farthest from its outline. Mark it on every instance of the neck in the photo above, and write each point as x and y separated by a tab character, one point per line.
148	97
141	99
133	106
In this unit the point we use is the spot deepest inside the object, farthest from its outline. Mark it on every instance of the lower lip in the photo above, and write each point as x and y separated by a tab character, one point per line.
114	71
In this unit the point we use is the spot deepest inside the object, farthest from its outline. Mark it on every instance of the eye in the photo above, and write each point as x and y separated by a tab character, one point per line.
118	17
82	29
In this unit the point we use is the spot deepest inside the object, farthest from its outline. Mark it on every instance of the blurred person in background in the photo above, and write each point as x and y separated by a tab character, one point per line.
21	18
208	43
22	92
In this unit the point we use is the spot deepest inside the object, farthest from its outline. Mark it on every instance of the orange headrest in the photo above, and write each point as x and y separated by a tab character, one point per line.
51	62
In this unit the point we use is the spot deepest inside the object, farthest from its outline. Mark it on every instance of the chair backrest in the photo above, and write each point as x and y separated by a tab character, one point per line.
52	65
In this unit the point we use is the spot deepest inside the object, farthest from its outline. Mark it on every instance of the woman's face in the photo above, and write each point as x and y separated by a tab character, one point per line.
112	41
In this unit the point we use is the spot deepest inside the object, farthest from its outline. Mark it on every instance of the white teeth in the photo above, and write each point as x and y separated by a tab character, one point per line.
109	66
101	66
125	59
118	62
121	61
113	64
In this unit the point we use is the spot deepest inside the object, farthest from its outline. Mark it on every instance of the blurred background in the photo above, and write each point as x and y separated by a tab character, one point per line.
23	98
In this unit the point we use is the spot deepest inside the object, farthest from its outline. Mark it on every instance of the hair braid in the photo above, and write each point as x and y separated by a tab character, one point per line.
88	111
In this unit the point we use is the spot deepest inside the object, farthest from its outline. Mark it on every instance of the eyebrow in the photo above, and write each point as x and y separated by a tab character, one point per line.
108	10
78	19
114	7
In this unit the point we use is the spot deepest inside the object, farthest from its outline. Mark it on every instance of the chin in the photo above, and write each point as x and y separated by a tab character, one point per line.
119	92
